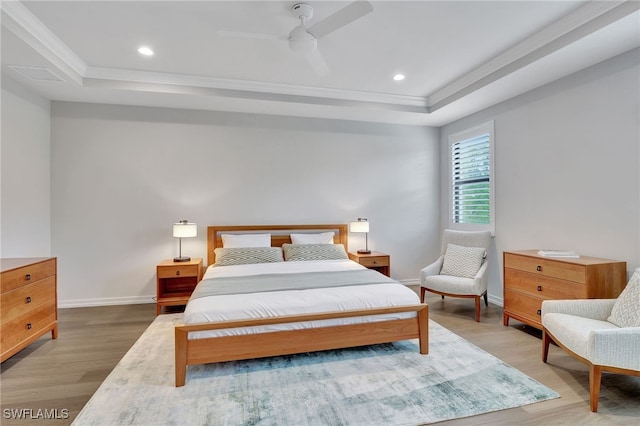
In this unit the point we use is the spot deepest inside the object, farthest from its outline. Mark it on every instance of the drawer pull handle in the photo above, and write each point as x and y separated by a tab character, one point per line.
28	300
27	277
539	268
28	326
177	273
539	312
539	288
375	263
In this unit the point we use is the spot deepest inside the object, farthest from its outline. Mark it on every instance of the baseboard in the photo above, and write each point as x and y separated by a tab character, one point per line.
496	300
106	301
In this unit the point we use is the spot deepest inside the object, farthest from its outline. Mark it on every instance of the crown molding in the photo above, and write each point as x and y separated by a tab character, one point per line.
18	19
180	83
580	23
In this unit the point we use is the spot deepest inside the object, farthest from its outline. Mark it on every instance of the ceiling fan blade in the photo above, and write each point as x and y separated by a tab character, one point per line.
239	34
344	16
317	62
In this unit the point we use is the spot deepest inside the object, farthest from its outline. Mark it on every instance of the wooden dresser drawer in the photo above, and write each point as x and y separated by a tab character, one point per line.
544	287
524	307
27	327
177	271
28	274
374	261
28	298
546	267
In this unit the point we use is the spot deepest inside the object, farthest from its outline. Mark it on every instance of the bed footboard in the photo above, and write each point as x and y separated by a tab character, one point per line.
249	346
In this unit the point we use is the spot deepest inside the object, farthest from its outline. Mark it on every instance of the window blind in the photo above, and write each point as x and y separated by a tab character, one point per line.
471	190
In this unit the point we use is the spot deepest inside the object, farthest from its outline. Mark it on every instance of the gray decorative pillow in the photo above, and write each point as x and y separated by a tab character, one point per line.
247	255
302	252
626	310
460	261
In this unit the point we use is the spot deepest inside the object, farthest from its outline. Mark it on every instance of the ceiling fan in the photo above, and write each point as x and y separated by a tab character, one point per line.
303	39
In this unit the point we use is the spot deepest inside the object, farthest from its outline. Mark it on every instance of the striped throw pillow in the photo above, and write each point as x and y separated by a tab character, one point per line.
303	252
460	261
247	255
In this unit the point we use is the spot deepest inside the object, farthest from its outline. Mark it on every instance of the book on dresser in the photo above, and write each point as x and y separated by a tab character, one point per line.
530	278
29	305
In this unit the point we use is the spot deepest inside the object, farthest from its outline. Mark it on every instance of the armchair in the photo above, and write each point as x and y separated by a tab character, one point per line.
602	333
462	268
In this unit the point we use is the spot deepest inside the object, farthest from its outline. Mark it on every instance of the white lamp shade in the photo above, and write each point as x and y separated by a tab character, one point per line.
359	226
185	230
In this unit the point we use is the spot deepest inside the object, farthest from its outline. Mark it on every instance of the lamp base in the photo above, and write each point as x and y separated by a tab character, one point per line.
181	259
364	251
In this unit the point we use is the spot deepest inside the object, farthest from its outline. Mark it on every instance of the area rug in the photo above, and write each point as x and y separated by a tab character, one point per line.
387	384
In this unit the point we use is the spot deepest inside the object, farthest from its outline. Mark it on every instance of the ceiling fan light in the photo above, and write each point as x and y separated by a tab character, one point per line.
301	41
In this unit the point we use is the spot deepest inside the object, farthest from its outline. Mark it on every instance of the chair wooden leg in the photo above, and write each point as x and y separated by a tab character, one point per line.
477	308
595	376
442	295
545	345
422	291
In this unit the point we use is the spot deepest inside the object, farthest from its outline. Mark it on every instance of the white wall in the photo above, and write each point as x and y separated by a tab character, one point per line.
566	163
25	222
122	175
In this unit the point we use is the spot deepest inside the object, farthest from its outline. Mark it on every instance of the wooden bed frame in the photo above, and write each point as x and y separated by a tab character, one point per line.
229	348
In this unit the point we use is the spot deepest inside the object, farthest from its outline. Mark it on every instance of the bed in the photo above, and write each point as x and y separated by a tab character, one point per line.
342	305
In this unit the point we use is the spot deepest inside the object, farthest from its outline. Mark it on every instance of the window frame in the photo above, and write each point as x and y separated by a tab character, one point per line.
470	133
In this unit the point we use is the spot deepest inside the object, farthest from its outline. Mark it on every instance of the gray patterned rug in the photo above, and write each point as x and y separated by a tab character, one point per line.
389	384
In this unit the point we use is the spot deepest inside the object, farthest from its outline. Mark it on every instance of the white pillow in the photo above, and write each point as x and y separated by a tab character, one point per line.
625	312
460	261
246	240
322	238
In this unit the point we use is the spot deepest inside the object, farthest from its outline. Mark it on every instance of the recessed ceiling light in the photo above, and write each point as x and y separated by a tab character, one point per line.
398	77
145	51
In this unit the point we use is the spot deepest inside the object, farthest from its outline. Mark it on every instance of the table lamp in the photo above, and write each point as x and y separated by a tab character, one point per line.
184	229
361	225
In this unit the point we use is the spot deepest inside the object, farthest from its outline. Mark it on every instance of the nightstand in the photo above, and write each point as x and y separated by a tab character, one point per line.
374	260
176	281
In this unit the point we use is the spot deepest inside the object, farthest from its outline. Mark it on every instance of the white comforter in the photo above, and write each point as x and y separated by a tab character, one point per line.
292	302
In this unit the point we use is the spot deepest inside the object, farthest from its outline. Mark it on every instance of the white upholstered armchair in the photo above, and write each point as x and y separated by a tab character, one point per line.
462	268
602	333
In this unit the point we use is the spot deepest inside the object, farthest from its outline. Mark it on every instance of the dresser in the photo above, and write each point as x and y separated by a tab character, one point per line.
29	306
529	279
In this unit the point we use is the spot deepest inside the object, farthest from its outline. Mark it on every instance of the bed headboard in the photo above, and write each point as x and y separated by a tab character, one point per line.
280	234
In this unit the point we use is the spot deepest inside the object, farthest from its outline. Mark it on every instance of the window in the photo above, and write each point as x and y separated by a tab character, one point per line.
471	204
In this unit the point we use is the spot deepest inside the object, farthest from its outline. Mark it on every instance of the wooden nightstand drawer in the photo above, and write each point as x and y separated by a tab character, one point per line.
375	261
177	271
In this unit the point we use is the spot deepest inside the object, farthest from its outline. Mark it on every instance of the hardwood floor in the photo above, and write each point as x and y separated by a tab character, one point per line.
63	374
